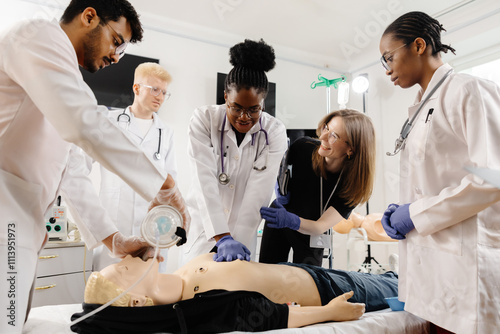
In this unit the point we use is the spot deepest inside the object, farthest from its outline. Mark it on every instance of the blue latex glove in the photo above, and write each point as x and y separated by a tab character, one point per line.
278	217
397	222
280	198
229	250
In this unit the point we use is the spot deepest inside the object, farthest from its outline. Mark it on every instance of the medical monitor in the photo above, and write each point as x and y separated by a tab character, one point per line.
269	101
112	85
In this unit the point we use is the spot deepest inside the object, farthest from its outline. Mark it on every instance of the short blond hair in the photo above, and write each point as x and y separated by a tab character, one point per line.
151	69
100	290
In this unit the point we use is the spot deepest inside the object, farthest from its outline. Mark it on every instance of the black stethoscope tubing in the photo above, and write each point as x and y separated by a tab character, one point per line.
156	155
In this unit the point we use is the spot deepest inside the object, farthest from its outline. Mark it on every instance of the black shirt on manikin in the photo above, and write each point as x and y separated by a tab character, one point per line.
216	311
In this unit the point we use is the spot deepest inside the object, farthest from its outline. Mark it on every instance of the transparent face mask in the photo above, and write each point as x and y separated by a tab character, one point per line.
158	229
165	220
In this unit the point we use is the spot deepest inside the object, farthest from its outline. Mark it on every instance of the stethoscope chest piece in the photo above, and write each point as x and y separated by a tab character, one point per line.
224	178
157	156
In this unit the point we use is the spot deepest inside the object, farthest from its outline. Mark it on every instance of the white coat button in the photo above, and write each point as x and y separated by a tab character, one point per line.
236	157
226	211
231	186
418	191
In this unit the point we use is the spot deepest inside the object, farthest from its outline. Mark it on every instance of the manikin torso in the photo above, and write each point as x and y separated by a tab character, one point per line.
279	283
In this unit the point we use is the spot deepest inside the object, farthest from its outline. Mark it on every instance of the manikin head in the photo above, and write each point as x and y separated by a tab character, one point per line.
154	289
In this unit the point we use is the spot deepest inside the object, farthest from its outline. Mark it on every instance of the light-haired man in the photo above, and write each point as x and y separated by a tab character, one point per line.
143	125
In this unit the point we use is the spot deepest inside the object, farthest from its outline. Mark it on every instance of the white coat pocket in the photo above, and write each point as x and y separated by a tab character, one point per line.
449	240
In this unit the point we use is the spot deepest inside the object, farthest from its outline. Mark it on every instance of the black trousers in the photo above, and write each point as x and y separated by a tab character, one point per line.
276	244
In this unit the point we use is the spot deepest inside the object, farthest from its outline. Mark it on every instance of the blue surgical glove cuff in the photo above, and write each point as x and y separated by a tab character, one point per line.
279	217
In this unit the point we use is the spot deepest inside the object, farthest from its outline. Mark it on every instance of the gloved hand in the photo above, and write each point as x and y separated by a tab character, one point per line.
229	250
136	246
279	217
172	196
397	222
280	198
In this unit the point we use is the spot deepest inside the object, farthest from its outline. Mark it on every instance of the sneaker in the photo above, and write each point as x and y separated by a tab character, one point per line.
394	263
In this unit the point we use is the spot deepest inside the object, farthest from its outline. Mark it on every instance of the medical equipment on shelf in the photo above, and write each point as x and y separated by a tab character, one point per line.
159	228
408	125
56	222
157	154
223	176
340	84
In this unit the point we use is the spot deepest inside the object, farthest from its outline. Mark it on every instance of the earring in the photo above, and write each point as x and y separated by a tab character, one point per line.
348	156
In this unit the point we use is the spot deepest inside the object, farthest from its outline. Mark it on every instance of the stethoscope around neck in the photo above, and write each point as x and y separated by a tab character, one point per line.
223	176
408	125
157	154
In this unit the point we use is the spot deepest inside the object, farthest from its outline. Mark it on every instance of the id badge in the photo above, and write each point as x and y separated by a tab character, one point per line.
320	241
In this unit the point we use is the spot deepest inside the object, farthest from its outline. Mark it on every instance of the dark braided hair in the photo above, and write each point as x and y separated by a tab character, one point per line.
411	25
250	60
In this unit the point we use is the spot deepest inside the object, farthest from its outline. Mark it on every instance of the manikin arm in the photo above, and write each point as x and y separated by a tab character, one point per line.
338	309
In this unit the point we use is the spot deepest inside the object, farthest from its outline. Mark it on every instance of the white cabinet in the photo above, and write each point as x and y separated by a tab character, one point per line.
63	268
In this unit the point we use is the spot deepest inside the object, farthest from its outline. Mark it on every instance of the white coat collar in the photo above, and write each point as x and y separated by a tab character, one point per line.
438	74
157	124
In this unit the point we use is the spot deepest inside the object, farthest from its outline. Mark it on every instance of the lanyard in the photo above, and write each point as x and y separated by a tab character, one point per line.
322	208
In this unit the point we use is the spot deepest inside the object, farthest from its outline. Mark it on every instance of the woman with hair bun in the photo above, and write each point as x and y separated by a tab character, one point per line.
235	150
448	220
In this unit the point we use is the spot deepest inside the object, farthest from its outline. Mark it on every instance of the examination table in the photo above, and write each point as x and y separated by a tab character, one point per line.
55	319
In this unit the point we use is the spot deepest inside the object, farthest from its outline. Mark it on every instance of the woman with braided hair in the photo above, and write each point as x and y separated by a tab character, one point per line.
235	151
449	253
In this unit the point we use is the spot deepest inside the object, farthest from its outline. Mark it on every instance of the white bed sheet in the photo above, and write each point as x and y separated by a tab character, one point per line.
55	319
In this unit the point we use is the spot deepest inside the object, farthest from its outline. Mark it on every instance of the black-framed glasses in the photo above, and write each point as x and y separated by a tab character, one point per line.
332	136
237	111
155	91
120	43
385	61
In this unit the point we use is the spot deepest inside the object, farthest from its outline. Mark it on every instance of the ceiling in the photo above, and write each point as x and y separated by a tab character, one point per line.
338	34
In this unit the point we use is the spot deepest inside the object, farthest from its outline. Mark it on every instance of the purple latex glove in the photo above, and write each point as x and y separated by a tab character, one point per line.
229	250
396	221
278	217
280	198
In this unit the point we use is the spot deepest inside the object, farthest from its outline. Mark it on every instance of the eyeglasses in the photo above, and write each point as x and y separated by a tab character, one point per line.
237	111
155	91
332	136
385	61
119	46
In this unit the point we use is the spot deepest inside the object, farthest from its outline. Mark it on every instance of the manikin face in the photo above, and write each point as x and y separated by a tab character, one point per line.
161	288
100	44
339	149
405	70
248	100
144	99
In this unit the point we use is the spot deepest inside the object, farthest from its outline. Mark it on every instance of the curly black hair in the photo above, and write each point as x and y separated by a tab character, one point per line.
411	25
251	61
107	10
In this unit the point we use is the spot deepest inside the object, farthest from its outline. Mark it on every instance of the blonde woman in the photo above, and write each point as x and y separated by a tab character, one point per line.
331	175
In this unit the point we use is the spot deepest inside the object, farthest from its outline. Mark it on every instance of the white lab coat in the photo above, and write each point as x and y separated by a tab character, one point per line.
44	107
450	263
234	208
126	208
